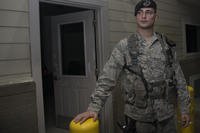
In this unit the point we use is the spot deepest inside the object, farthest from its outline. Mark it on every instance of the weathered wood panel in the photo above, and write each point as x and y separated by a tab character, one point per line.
14	51
18	111
18	5
13	18
14	35
14	67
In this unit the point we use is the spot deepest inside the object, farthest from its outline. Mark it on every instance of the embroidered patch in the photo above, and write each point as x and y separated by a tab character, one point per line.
146	3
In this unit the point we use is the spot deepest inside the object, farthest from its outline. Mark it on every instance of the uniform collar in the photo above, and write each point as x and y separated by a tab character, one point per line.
153	40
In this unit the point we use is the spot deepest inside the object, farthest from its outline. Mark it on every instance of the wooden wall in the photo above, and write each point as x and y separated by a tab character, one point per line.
14	40
18	110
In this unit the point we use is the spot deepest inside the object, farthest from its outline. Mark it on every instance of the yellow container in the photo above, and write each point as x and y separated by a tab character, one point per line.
89	126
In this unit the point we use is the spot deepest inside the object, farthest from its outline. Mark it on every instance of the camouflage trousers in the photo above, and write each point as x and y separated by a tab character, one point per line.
165	126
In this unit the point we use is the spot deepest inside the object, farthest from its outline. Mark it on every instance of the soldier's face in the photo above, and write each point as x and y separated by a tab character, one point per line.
145	18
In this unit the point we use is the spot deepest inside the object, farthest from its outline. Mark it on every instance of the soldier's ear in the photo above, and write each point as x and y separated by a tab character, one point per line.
157	16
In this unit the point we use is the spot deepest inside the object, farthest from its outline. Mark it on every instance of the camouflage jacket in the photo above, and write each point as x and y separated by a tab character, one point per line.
146	75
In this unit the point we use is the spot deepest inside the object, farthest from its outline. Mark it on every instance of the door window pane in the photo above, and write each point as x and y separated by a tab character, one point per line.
72	45
192	38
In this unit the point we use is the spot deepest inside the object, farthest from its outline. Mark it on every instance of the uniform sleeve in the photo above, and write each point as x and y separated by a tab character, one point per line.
108	78
183	94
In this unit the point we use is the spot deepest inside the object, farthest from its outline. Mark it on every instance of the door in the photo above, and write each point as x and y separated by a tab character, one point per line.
74	62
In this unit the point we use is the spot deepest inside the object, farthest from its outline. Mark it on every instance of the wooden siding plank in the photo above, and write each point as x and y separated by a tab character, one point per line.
120	6
18	111
14	35
169	30
121	16
179	9
14	67
12	18
10	51
15	78
168	15
16	88
166	22
170	2
18	5
117	36
122	26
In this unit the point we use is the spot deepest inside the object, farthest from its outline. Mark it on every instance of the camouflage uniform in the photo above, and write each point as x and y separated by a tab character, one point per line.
150	76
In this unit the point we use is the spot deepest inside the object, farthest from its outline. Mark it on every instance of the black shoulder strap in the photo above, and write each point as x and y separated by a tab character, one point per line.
168	47
133	52
169	42
135	68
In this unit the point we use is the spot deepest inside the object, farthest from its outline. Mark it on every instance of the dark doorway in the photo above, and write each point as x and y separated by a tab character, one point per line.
46	11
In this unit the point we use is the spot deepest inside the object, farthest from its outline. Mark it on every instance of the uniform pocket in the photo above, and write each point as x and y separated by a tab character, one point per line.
140	103
140	94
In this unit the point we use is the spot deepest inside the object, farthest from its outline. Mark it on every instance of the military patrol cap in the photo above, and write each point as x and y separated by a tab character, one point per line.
145	3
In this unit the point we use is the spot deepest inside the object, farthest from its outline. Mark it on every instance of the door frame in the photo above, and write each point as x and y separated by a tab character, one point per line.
102	51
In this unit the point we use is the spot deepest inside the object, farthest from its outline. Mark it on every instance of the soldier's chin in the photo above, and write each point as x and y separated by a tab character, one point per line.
146	26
